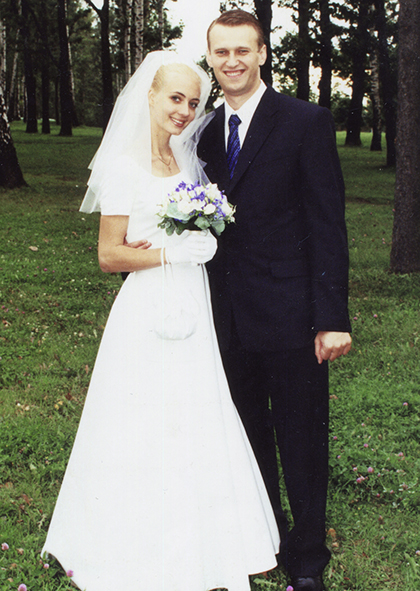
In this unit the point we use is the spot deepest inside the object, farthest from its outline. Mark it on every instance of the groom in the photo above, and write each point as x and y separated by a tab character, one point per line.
279	279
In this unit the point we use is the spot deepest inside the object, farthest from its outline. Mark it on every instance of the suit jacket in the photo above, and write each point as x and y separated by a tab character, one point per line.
281	271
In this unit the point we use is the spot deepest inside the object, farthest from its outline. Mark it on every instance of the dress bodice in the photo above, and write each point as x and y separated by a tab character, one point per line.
150	194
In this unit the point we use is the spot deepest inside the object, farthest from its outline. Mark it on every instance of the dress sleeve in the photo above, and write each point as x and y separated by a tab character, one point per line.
119	187
112	191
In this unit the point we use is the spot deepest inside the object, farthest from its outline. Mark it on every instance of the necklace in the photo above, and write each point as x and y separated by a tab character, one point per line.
168	164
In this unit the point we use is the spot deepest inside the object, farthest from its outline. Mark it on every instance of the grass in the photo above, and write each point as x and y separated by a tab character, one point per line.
54	303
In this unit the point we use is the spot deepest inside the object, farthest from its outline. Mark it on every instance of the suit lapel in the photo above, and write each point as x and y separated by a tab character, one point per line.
261	125
217	159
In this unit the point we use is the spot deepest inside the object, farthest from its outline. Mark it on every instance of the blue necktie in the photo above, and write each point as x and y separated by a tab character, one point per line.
233	145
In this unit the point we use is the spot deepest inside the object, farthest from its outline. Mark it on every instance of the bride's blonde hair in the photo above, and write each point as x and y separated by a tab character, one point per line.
159	78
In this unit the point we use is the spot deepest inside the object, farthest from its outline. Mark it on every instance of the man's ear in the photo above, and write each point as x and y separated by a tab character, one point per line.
151	96
263	54
208	58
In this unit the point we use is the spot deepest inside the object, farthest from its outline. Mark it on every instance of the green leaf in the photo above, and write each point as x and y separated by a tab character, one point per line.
218	226
202	223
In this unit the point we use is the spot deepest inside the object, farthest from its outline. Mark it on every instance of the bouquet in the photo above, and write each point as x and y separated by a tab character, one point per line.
195	207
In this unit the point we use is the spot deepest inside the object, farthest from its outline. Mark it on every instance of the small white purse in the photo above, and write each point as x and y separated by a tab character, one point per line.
176	310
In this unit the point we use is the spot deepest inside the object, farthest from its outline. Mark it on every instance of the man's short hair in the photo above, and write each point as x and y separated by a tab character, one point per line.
236	18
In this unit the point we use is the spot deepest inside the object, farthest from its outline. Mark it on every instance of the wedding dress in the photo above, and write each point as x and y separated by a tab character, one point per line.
162	491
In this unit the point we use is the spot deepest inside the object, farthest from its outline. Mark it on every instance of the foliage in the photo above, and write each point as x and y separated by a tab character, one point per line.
84	39
54	304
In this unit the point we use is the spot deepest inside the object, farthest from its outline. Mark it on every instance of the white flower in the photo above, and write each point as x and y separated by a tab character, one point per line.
209	209
225	207
185	206
181	195
200	205
212	191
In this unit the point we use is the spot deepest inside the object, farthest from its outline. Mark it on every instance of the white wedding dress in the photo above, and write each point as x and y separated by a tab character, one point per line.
162	491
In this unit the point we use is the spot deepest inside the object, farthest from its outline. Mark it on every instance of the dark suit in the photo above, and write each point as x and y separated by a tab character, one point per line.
281	275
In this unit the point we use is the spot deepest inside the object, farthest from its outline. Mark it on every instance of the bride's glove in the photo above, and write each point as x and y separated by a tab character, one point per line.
198	247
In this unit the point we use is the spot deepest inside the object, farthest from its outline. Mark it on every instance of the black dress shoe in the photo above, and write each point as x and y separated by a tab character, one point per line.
307	584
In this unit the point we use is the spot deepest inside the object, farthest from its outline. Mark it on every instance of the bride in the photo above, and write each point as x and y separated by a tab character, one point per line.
162	491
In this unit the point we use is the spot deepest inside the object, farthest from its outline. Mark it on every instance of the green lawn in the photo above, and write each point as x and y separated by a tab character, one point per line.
54	302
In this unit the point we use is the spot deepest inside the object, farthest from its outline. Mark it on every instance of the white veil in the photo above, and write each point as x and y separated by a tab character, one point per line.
128	131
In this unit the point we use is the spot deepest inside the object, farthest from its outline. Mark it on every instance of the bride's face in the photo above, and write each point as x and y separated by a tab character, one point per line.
174	99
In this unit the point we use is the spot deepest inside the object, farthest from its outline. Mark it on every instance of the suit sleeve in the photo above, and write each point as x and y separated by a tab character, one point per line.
322	193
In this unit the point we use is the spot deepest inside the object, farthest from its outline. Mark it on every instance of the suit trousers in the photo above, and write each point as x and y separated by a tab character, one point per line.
282	398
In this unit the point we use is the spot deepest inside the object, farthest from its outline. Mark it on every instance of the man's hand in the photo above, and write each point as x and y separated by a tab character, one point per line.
145	244
329	345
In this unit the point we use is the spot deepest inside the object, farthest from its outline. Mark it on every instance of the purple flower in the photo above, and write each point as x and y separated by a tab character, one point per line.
289	588
335	437
69	573
366	445
22	587
405	403
370	470
375	316
46	566
4	546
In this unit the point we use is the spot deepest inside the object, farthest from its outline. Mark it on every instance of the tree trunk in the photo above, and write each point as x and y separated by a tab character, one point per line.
138	22
303	51
12	110
45	73
66	97
126	7
265	15
160	22
45	81
107	90
376	144
405	253
354	121
74	117
57	99
30	81
10	173
11	105
3	55
325	55
389	91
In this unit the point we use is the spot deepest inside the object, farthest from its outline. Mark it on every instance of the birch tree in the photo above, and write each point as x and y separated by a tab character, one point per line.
138	31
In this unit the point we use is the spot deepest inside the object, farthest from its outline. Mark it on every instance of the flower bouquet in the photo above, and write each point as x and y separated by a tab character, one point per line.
195	207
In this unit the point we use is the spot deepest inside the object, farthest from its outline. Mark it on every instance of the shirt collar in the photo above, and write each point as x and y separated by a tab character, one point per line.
245	113
247	110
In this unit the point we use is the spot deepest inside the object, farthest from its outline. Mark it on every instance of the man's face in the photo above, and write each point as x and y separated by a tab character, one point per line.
235	57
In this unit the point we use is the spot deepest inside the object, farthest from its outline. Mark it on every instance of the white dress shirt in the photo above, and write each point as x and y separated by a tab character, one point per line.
245	114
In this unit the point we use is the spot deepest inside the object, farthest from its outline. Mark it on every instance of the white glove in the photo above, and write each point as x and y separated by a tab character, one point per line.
198	247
